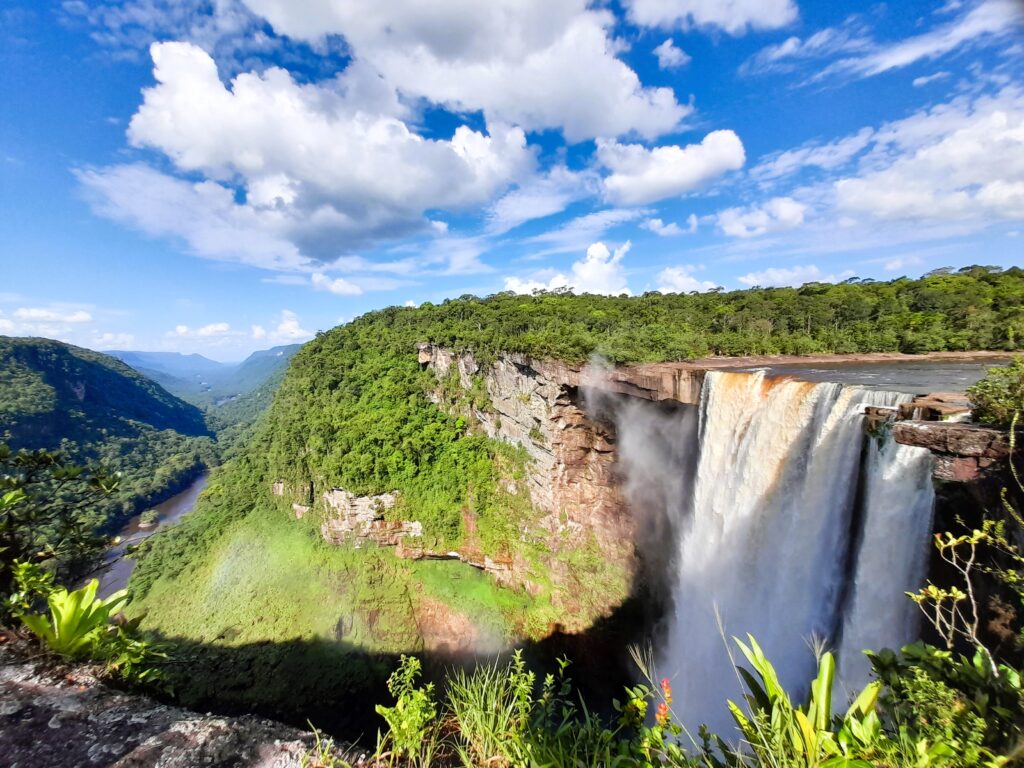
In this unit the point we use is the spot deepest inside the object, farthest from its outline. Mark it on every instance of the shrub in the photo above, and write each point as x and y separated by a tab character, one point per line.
999	396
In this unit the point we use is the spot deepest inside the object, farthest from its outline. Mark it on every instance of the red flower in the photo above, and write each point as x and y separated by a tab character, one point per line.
661	718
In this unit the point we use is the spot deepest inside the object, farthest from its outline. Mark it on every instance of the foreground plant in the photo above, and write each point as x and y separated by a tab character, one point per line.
411	733
77	620
81	626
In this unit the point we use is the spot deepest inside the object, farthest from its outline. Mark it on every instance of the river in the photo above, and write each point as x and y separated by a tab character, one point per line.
912	377
117	568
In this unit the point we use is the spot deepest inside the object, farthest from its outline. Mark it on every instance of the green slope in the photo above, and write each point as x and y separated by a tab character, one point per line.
97	409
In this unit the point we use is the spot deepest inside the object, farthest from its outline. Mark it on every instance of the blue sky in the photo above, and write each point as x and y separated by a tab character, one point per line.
221	176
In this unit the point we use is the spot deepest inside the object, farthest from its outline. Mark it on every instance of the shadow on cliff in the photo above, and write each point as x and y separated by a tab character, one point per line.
335	685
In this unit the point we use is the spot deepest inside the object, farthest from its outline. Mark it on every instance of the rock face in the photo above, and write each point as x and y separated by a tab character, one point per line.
963	452
60	715
359	519
571	475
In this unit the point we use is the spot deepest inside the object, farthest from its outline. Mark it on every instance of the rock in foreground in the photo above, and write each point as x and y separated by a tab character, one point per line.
54	714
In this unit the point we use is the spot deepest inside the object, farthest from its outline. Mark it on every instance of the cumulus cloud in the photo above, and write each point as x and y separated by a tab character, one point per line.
338	285
600	271
534	63
794	277
71	323
288	329
641	175
671	229
681	280
259	332
962	161
776	215
670	56
732	16
320	177
309	155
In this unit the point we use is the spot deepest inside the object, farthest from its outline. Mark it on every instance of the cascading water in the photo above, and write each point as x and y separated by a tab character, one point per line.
892	555
764	532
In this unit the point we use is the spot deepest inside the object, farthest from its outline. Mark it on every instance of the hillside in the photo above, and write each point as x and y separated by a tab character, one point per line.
97	409
410	446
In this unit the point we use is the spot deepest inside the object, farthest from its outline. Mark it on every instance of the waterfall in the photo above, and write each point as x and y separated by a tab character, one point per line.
892	558
764	531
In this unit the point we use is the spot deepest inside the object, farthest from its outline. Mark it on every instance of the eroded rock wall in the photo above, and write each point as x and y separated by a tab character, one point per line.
571	472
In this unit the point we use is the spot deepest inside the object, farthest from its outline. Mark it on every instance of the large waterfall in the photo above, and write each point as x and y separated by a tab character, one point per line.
795	526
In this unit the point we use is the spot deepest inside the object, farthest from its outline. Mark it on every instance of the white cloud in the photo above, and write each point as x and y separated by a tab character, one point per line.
733	16
985	19
534	63
660	228
851	37
828	156
338	285
410	303
640	175
214	329
209	331
962	161
288	330
670	56
681	280
795	277
43	315
856	53
320	174
259	332
776	215
577	233
539	197
920	82
225	28
110	340
901	263
600	272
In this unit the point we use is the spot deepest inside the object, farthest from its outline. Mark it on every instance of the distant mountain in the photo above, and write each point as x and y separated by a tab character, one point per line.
171	363
98	409
205	382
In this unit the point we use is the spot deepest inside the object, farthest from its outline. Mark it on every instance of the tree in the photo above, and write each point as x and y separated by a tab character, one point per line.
44	504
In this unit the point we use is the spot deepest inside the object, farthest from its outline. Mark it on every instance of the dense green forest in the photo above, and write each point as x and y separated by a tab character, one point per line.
97	410
973	308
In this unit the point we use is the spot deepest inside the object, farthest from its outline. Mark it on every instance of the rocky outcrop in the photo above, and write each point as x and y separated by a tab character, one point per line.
963	452
59	714
937	406
358	519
